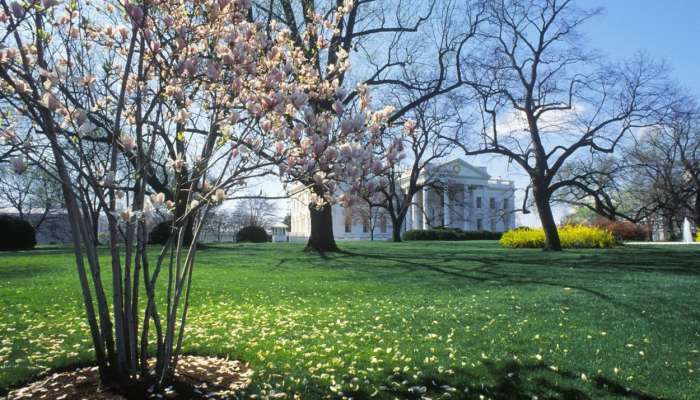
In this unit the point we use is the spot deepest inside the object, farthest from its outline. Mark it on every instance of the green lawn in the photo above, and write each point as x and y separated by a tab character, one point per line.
382	320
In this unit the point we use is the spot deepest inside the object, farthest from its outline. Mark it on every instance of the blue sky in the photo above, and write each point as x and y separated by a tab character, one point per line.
664	29
667	30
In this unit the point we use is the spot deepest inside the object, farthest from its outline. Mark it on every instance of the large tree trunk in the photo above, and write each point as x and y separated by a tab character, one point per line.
396	231
696	215
321	238
549	225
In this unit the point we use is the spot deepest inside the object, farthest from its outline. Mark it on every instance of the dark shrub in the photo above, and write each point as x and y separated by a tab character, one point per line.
253	234
450	234
16	234
623	230
160	233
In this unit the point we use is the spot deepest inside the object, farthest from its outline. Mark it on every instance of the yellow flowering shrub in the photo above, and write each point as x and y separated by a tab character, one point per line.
571	236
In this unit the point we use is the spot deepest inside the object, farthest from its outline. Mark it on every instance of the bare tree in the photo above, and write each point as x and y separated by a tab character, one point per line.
33	194
654	176
370	215
607	186
544	100
219	223
255	211
423	142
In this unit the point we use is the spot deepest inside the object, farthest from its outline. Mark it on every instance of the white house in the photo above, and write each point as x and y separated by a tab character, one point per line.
460	195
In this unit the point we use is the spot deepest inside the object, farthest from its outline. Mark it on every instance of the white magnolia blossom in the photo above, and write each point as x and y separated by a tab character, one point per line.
158	198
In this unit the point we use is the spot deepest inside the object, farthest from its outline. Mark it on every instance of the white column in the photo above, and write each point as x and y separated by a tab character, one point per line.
426	209
414	212
466	209
446	206
485	210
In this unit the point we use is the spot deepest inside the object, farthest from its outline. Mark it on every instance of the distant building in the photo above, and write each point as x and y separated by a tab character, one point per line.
461	196
278	233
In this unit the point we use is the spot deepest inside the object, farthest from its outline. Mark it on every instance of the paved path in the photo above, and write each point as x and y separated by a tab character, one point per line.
661	243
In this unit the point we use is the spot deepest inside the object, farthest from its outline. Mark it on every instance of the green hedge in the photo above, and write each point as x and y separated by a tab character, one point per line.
450	234
253	234
16	234
571	236
160	233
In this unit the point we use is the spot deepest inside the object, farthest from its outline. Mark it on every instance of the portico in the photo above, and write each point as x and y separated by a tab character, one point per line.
459	195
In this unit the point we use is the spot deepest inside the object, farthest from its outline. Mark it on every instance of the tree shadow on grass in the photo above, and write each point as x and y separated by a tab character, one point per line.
486	270
506	381
23	272
567	270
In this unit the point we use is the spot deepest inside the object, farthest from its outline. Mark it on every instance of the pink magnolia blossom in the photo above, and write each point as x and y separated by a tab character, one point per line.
338	107
18	165
49	3
86	128
8	136
409	126
266	125
128	142
213	70
17	9
50	101
299	99
181	117
177	163
22	87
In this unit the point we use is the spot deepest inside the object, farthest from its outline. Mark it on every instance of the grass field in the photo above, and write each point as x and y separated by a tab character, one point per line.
381	320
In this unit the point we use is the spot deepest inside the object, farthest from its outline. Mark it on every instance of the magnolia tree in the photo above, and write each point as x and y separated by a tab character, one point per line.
121	102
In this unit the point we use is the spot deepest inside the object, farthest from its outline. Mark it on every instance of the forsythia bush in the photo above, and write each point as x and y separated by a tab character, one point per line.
571	236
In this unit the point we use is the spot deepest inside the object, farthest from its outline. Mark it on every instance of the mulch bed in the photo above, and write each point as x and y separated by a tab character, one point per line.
196	378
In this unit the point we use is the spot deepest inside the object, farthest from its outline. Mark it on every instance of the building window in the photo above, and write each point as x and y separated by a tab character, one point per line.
365	224
492	203
382	224
479	224
478	202
505	204
493	225
348	221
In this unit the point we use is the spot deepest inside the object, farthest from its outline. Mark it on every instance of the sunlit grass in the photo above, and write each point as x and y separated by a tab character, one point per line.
382	320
